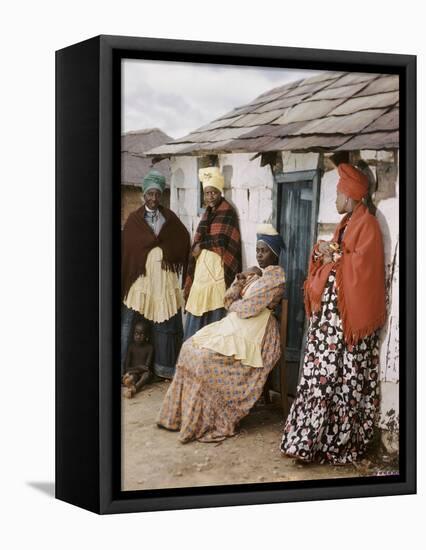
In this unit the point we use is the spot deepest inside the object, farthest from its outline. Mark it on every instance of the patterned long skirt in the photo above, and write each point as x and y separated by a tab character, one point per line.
210	392
332	417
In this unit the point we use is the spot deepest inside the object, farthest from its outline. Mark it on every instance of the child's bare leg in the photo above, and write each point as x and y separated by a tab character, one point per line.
144	379
129	392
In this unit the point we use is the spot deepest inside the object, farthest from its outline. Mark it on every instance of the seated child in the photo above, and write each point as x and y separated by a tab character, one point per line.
250	275
137	369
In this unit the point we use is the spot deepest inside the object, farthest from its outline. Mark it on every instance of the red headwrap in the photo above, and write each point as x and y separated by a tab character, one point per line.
353	183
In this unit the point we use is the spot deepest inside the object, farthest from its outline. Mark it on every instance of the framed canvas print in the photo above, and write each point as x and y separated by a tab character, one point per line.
235	241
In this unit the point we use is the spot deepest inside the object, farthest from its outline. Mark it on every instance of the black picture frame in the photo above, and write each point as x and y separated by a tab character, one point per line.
88	274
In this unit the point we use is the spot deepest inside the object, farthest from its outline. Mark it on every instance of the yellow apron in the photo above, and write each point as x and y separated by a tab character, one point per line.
208	289
233	336
156	295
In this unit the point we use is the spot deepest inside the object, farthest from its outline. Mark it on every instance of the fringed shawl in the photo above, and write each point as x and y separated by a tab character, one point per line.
360	276
219	232
138	239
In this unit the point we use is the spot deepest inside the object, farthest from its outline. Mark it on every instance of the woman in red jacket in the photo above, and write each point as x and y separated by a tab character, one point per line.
332	417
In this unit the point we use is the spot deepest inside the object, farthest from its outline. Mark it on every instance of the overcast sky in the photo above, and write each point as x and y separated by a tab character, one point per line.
180	97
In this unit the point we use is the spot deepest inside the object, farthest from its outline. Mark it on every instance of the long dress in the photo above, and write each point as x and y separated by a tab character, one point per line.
332	417
157	298
211	392
213	271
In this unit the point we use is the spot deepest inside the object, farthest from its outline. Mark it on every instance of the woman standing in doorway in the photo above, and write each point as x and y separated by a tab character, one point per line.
332	417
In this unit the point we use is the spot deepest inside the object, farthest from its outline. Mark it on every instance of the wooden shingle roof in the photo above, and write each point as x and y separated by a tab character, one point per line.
330	111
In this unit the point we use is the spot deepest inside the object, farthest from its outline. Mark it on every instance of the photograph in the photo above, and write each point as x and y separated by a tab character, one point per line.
221	229
260	280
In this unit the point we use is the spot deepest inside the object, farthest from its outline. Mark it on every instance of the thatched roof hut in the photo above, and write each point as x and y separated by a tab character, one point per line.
134	166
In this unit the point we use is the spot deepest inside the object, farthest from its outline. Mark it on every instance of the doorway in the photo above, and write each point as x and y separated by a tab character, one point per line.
297	212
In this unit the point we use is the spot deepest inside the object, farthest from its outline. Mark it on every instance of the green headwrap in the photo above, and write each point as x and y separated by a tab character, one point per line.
154	180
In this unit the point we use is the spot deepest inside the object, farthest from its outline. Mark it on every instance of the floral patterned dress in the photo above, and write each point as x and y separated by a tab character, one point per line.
332	417
210	392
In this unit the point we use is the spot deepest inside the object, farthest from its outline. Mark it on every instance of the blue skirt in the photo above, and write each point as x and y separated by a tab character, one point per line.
194	322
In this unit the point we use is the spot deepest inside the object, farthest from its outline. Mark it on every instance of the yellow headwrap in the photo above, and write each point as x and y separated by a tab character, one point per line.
211	177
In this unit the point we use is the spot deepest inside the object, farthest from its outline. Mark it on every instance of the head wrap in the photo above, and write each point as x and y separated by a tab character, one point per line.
353	183
211	177
269	235
154	180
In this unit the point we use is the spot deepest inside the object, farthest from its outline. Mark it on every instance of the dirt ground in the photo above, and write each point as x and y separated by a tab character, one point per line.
153	458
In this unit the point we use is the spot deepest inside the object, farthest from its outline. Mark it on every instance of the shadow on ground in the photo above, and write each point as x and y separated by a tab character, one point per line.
46	487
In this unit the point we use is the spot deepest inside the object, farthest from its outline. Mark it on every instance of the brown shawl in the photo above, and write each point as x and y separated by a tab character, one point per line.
138	239
360	276
219	232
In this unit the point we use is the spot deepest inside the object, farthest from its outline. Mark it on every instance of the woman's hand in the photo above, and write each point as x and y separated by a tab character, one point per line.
196	251
324	247
327	259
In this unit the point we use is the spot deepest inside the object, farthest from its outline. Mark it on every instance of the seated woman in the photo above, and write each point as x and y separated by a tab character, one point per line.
221	370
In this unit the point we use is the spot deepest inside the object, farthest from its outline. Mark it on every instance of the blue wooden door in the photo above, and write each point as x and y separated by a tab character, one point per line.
297	214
